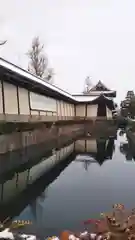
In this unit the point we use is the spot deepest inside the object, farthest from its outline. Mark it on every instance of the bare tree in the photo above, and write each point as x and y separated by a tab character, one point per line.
38	59
3	42
50	74
87	84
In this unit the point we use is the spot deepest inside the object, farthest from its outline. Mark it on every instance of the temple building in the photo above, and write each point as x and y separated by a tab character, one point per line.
96	103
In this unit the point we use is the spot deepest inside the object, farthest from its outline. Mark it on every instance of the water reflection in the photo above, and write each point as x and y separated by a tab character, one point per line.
121	132
125	147
99	150
12	184
61	189
28	196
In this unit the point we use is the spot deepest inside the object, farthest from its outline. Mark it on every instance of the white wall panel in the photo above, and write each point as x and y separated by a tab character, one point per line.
1	101
80	110
66	109
73	110
62	108
10	96
92	110
23	101
40	102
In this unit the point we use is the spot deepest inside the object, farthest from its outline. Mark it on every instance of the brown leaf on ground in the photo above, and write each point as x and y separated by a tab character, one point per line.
65	235
102	227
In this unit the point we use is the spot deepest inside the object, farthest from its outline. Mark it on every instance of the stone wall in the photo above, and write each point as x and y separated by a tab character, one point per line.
18	140
20	148
105	128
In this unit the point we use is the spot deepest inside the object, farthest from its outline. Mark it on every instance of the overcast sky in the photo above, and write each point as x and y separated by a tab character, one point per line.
81	37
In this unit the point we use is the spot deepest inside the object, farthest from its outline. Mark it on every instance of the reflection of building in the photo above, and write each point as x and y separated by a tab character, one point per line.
20	180
100	150
99	101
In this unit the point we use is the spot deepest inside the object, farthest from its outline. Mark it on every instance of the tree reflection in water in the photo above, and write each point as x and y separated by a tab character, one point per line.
126	150
37	207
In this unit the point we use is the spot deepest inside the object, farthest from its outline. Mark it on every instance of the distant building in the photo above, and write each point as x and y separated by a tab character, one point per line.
97	102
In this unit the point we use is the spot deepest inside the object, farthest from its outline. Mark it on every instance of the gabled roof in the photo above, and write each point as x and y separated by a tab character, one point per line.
87	98
99	87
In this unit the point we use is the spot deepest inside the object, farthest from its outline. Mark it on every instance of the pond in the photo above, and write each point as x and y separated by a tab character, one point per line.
101	173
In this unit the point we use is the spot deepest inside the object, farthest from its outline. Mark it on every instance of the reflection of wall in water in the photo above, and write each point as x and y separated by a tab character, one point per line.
100	149
46	165
19	181
86	145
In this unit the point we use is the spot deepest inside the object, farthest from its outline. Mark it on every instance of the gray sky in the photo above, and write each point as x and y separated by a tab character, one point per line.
81	37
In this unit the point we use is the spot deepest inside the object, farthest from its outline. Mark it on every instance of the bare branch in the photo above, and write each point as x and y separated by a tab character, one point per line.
87	85
38	59
3	42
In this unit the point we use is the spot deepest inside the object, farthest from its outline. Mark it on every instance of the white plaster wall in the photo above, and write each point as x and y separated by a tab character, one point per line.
66	109
1	101
34	112
73	110
58	108
92	110
80	110
23	101
64	105
61	107
40	102
10	96
108	113
70	109
49	113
